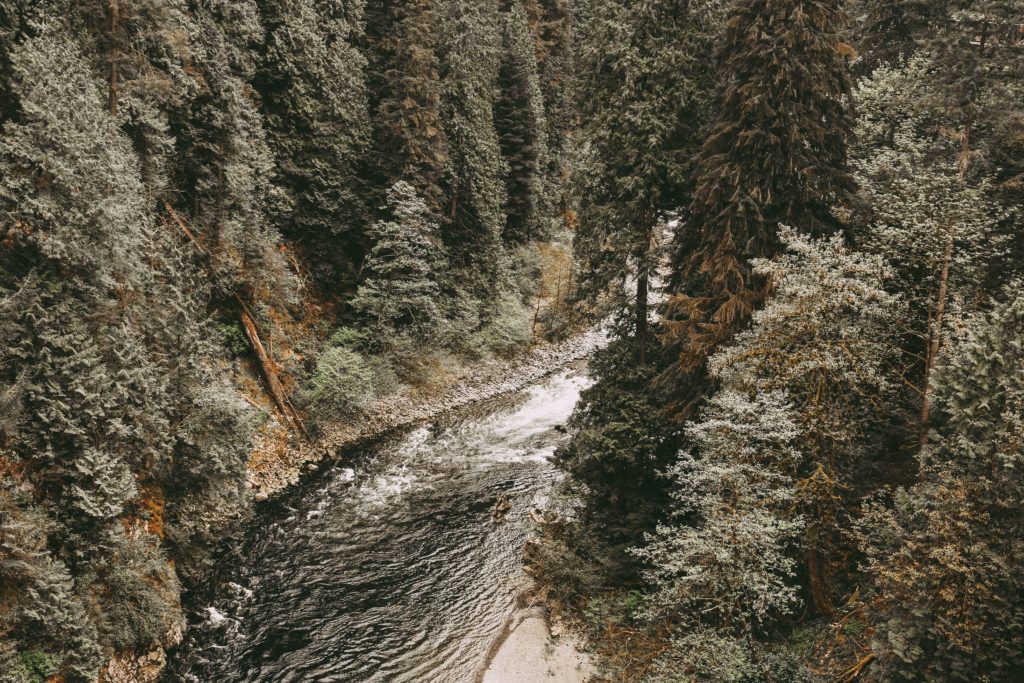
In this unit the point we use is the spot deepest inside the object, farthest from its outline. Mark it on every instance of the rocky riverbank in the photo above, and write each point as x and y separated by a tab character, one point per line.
272	468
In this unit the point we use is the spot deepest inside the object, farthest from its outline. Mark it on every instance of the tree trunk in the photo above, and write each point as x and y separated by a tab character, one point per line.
935	334
268	367
641	307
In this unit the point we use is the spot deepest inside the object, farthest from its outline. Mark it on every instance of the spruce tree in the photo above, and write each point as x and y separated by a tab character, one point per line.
522	129
400	291
228	167
944	560
645	78
776	153
471	40
313	85
411	144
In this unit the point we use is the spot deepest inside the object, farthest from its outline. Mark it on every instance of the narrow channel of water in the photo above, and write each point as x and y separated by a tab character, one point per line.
392	571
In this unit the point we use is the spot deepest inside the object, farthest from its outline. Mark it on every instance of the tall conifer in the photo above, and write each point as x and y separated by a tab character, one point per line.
776	153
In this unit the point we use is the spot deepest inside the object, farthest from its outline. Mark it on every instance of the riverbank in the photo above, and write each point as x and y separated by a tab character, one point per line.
275	467
530	650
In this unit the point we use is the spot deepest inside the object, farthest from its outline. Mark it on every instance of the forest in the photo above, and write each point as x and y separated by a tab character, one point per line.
227	225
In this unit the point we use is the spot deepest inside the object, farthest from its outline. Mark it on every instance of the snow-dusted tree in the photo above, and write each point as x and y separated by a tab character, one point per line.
826	337
937	224
945	558
724	565
522	130
400	292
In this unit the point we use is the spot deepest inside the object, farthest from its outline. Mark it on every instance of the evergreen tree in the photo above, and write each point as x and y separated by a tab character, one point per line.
945	560
411	141
893	30
400	290
826	338
723	569
313	86
228	168
776	153
472	233
553	28
522	130
645	80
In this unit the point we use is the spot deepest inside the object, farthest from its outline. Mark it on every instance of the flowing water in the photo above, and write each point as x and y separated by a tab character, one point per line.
391	570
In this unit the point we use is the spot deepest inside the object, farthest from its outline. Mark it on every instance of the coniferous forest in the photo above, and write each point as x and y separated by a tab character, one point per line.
229	225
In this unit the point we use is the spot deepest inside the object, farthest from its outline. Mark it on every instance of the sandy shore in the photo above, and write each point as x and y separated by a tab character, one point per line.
528	652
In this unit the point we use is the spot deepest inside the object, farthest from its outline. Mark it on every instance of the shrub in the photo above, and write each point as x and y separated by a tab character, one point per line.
341	384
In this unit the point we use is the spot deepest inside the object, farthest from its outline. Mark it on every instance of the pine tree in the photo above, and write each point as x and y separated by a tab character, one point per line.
411	141
944	560
894	30
553	28
472	233
776	153
228	167
937	222
399	293
645	81
313	86
522	130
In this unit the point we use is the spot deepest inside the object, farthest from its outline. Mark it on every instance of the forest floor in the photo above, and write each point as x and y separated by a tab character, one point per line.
278	462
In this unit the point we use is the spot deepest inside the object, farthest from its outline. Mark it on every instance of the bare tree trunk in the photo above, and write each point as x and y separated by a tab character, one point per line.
643	273
268	367
935	334
114	21
642	276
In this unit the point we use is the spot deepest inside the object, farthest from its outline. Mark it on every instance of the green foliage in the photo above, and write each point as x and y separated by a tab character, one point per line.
522	130
621	442
399	294
234	338
943	559
312	80
410	138
775	154
341	384
471	40
507	331
646	78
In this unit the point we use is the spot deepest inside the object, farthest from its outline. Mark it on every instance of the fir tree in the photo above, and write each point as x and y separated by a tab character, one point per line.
522	129
776	153
472	233
399	293
945	559
645	81
826	338
228	166
313	85
411	141
723	569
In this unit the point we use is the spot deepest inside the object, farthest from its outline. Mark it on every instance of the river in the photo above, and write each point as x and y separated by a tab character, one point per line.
387	568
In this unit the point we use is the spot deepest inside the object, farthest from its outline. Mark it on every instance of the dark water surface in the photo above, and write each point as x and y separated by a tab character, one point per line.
391	571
